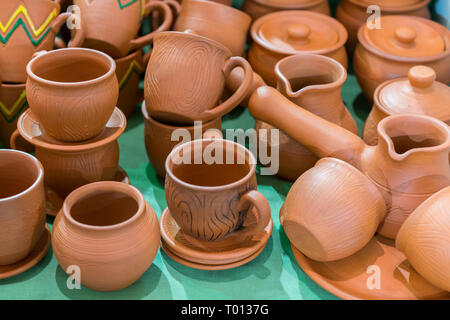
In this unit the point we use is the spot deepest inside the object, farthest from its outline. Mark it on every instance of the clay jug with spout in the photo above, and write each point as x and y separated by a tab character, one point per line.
408	165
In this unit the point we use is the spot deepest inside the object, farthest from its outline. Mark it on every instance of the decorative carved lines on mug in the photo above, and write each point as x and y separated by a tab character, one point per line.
11	113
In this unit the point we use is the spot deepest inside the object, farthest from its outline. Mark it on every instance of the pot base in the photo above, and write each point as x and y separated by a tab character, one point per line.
33	258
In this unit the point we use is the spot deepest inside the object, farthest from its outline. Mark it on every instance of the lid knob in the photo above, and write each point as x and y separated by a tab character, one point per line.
421	76
405	34
298	31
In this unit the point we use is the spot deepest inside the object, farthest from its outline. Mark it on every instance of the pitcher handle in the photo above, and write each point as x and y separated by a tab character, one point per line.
78	38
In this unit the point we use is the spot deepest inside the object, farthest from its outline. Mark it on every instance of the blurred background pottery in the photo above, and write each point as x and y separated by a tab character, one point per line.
259	8
13	103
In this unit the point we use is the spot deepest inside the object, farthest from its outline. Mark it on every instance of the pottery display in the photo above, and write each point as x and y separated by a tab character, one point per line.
332	211
185	78
112	26
159	142
425	239
215	21
22	205
29	26
109	231
353	14
405	143
259	8
72	101
418	94
285	33
13	103
403	42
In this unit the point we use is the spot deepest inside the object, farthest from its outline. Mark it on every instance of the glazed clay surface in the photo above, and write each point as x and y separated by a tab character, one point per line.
259	8
13	103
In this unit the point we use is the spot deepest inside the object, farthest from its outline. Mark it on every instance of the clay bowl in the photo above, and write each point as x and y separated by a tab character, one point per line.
13	103
72	92
259	8
109	231
425	239
332	211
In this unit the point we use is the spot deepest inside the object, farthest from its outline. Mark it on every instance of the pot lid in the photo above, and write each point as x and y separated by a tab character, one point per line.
419	94
295	31
405	36
30	129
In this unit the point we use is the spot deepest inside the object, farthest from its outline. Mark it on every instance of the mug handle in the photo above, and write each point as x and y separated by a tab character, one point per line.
173	4
239	95
77	40
18	143
256	199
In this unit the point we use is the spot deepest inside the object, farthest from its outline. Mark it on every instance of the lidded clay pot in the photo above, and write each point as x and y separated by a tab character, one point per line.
259	8
285	33
353	13
417	94
402	43
109	231
425	239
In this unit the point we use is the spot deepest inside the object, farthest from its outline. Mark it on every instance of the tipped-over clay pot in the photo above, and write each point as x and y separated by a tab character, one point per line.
13	103
259	8
409	163
425	239
332	211
109	231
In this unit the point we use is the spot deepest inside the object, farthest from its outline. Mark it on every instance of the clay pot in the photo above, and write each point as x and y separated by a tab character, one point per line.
72	165
30	26
186	76
425	239
403	42
215	21
210	200
285	33
405	143
259	8
158	138
128	71
109	231
13	103
22	205
417	94
72	101
353	14
112	26
319	218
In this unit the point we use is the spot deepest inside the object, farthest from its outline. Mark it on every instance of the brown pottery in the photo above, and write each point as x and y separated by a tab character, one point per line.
13	103
285	33
109	231
405	143
259	8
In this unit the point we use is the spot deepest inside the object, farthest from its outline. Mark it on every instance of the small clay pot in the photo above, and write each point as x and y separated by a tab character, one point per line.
402	43
285	33
425	239
29	27
72	92
158	138
112	26
259	8
353	14
13	103
320	219
109	231
215	21
211	200
22	205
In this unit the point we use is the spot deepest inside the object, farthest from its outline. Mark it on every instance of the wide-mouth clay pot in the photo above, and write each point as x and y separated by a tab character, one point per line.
402	43
424	239
161	138
353	14
417	94
22	205
405	142
109	231
72	92
13	103
259	8
215	21
29	26
72	165
285	33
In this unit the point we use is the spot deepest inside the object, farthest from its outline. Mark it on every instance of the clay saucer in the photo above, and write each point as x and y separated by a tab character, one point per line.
211	253
351	278
33	258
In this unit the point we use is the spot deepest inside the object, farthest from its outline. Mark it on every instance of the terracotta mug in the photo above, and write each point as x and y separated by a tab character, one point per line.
13	103
186	77
22	205
29	26
72	92
112	26
212	201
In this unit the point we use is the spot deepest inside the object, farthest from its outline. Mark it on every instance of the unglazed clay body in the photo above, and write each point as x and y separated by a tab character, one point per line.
259	8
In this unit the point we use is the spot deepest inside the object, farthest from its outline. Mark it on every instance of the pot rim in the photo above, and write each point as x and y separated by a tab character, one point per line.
419	4
219	6
104	186
38	180
303	6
